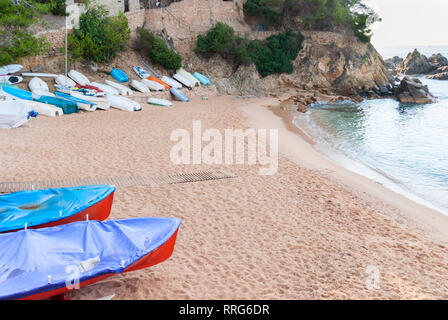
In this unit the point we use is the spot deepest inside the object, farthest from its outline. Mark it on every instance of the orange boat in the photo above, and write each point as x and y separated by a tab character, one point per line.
167	87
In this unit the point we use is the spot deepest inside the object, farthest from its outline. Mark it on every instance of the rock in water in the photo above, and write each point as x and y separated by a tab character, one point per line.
438	76
416	63
412	91
438	60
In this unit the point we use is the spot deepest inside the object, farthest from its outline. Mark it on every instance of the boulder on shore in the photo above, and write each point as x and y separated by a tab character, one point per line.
412	91
416	63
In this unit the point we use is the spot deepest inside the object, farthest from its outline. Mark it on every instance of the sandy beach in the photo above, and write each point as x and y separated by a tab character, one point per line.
313	230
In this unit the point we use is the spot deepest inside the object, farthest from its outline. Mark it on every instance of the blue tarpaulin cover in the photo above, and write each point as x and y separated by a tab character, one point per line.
30	259
37	207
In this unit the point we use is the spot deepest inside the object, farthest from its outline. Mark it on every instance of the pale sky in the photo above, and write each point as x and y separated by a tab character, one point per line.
410	22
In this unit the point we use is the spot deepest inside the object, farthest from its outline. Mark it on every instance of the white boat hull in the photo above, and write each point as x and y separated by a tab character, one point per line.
125	91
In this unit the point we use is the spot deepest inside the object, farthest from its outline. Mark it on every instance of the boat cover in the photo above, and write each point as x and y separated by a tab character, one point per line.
13	114
41	260
36	207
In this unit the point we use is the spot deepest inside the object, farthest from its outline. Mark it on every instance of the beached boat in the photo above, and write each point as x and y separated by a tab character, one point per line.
66	105
64	81
38	86
10	69
159	102
101	102
78	77
202	79
82	103
141	72
184	81
152	85
7	79
139	86
187	75
106	88
150	69
171	82
119	75
179	95
164	84
13	114
94	250
125	91
123	103
52	207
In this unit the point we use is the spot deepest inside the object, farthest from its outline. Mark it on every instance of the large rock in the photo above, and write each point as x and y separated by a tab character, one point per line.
412	91
438	60
438	76
416	63
392	63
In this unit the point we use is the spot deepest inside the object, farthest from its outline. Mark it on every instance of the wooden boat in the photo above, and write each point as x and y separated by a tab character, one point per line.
35	262
53	207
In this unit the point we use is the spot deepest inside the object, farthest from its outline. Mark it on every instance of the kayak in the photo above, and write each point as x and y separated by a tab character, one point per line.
159	102
142	73
184	81
64	81
164	84
187	75
202	79
53	207
7	79
139	86
100	102
48	262
123	103
82	104
10	68
152	85
179	95
13	114
119	75
79	77
171	82
106	88
125	91
65	105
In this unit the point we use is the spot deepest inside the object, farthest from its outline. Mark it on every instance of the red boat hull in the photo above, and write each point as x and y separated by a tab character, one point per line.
99	211
159	255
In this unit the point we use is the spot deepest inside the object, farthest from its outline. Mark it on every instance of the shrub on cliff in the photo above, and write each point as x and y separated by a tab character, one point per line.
261	9
57	7
99	37
157	50
217	40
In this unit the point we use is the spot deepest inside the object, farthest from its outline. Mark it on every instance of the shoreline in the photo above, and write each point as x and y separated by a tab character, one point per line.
278	116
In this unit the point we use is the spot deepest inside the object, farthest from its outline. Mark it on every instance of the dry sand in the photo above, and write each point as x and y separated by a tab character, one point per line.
311	231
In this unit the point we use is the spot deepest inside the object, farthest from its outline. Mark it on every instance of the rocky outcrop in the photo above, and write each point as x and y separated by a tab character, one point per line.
412	91
438	76
415	63
392	63
438	60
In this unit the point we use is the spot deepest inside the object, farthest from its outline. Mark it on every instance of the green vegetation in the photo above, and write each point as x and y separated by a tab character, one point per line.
157	50
57	7
15	39
273	55
99	37
315	14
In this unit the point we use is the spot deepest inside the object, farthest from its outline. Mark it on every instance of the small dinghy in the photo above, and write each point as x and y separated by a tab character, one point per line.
79	78
52	207
13	114
179	95
82	103
106	88
10	68
119	75
139	86
35	262
171	82
123	103
187	75
142	73
159	102
202	79
38	86
184	81
7	79
100	102
164	84
64	81
152	85
125	91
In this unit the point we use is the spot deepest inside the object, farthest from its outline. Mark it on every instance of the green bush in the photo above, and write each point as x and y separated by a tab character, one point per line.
261	10
157	50
217	40
99	37
22	44
57	7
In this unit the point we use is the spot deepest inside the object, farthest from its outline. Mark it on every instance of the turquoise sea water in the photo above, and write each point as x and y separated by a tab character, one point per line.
402	146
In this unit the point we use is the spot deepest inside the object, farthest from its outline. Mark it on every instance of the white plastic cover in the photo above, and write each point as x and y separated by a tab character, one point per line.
13	114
